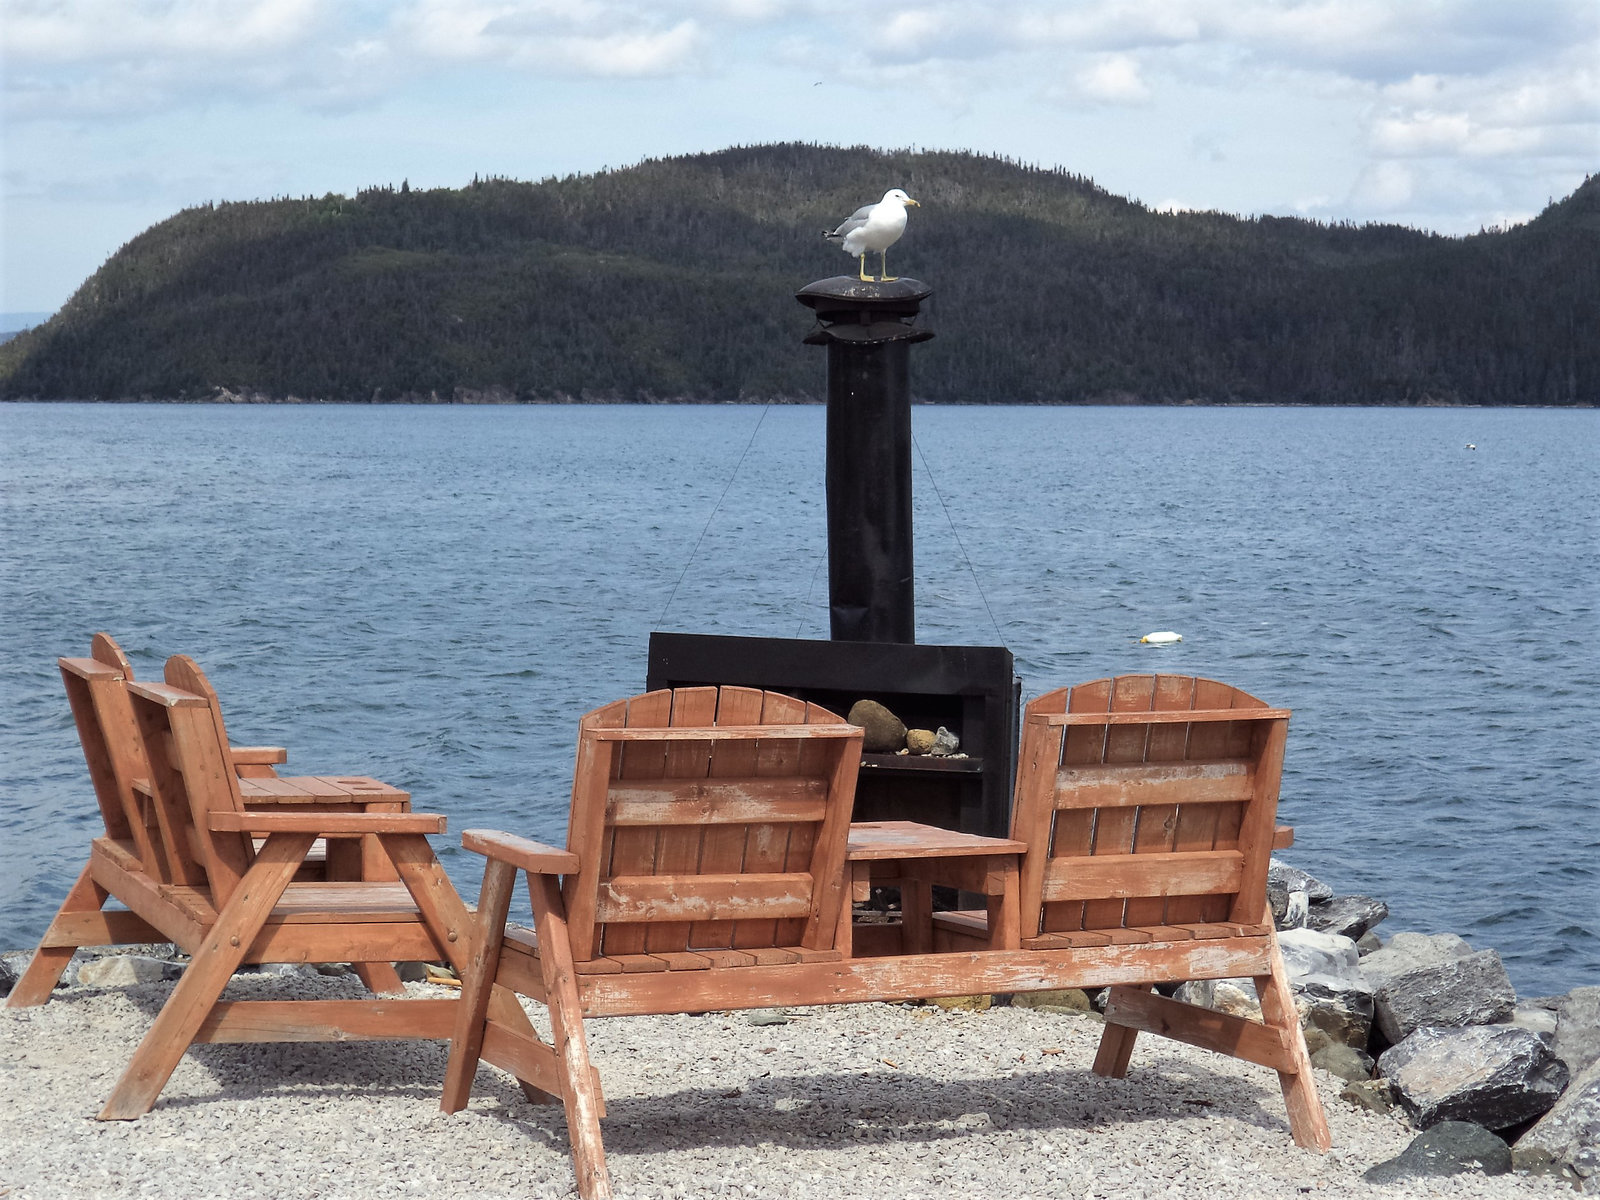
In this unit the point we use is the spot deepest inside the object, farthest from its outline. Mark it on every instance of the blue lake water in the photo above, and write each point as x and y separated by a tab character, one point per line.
432	595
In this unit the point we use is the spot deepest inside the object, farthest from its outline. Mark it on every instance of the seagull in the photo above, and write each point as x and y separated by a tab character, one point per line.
875	227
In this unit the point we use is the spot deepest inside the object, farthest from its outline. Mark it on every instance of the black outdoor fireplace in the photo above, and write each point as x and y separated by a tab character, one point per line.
868	329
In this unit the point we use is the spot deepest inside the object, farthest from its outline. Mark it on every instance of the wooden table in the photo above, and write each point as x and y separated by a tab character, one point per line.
347	858
915	857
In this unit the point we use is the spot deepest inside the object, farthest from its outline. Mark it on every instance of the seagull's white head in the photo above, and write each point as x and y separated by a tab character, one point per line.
899	197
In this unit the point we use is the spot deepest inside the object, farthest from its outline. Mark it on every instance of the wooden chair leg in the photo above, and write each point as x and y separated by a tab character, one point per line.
578	1092
1307	1122
44	969
380	978
1115	1052
458	935
206	975
477	983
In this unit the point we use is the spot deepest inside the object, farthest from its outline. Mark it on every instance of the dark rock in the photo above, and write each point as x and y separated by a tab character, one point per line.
1293	879
1566	1141
1367	943
1474	990
411	972
884	732
1334	1011
1491	1075
8	977
1343	1061
1578	1029
1374	1095
1449	1148
1278	902
1350	916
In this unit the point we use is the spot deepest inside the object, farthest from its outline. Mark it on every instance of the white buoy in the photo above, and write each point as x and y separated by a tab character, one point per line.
1164	637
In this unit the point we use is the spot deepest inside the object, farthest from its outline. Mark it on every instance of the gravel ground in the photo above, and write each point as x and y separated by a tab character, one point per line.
888	1101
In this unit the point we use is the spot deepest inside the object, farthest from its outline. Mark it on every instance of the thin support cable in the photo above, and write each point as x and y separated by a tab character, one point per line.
821	558
662	619
965	557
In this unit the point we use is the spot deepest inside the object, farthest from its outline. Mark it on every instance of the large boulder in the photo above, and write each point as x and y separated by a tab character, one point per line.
1334	1011
1449	1148
1293	879
1307	952
1578	1029
1408	951
124	970
1566	1141
8	978
1473	990
1236	997
1496	1076
883	732
1349	916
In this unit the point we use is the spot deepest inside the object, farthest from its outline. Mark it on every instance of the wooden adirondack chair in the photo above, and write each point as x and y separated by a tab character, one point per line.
98	693
195	877
1147	803
706	839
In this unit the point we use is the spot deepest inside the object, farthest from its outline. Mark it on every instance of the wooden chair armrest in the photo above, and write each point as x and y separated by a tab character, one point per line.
520	852
258	756
1283	837
325	824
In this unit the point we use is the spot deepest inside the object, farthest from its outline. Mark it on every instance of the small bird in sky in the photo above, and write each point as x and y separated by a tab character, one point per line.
874	227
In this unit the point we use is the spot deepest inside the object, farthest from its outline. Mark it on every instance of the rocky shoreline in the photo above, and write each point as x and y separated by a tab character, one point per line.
1427	1025
1434	1067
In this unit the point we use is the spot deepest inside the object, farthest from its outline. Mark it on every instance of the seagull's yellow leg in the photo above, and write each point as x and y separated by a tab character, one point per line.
883	266
865	278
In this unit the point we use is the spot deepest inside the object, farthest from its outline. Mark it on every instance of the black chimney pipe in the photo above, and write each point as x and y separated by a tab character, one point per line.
868	328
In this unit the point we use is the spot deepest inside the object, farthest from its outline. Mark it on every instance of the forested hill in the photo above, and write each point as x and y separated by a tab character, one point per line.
674	279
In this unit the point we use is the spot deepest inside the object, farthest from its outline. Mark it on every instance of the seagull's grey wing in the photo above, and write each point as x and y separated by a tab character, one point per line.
851	223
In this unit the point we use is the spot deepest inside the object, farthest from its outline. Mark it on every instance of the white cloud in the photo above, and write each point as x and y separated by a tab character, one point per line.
1114	79
64	31
1384	187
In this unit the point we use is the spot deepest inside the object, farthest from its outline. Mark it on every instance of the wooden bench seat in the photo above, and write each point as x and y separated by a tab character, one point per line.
705	870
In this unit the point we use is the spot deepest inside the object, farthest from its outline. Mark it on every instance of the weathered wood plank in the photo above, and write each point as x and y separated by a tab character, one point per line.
1120	876
705	897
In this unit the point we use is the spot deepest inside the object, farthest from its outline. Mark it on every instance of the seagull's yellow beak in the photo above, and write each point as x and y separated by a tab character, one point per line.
912	202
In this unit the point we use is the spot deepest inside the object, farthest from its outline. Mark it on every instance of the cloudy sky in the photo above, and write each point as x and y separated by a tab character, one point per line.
1447	115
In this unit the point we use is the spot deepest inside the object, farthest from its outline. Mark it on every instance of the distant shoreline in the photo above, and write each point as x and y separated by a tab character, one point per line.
787	401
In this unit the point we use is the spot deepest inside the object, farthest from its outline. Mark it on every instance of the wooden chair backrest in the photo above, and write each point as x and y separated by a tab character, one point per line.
97	691
190	776
709	818
1146	800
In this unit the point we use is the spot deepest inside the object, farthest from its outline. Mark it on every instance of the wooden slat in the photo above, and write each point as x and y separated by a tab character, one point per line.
722	847
1184	717
327	1020
766	848
1118	876
1151	1013
101	929
678	845
773	732
717	802
704	897
633	849
919	976
525	1057
1133	784
1114	827
1157	827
